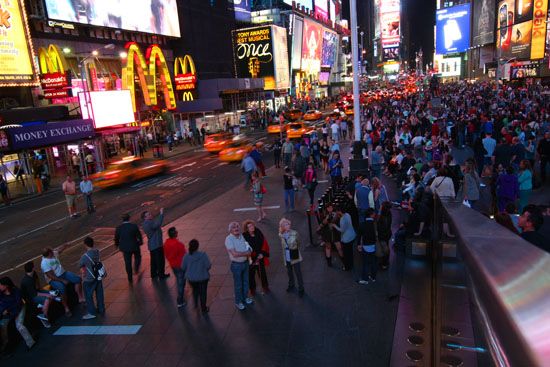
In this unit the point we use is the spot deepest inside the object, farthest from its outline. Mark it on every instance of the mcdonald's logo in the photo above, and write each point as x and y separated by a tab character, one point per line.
51	60
147	75
185	76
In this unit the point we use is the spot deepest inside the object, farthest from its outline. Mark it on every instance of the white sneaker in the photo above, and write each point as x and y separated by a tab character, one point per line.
249	301
88	316
363	282
240	306
372	279
41	316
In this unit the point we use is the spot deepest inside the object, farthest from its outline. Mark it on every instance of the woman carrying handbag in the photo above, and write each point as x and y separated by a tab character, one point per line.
290	243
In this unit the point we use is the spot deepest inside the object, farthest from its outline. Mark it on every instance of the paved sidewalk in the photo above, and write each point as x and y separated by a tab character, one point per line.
337	323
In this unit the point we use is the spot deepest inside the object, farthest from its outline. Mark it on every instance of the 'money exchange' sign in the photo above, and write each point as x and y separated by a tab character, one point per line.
50	134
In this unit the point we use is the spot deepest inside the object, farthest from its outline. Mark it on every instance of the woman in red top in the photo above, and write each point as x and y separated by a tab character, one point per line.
310	180
174	251
259	256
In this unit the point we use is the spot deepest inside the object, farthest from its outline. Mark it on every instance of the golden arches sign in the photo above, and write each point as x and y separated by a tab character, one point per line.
185	77
51	60
182	63
147	75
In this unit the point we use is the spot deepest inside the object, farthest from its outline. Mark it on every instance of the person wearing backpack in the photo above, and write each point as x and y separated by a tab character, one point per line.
92	275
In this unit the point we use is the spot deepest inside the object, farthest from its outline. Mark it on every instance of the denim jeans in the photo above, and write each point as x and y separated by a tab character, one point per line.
89	289
19	325
240	280
289	199
292	269
180	280
89	203
370	264
287	159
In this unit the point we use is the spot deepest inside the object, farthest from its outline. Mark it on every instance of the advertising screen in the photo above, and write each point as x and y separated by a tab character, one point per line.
450	66
253	52
484	20
242	9
391	54
312	45
330	44
297	32
452	29
332	10
99	105
280	53
305	3
521	32
148	16
16	64
390	23
321	8
524	71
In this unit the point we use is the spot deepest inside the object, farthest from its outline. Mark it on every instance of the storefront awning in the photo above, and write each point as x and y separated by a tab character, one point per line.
119	130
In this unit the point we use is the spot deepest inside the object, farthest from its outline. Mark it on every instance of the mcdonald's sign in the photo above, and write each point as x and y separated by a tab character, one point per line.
55	78
146	73
185	77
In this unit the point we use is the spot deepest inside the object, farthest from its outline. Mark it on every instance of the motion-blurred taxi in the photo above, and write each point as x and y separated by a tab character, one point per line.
348	110
237	149
127	170
217	142
295	130
313	115
275	127
293	115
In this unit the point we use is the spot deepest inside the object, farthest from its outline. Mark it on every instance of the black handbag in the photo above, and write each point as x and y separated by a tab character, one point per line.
294	253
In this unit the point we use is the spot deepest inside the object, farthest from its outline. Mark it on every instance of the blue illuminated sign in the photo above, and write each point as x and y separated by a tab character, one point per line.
452	29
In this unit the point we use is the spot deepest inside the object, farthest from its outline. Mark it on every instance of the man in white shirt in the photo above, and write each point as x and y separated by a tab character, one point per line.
87	188
334	129
58	278
239	250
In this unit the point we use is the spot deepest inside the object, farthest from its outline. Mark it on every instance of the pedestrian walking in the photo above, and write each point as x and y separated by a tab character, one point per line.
289	190
258	192
4	191
310	181
277	147
287	149
195	267
239	251
259	256
249	167
69	188
153	229
92	277
175	251
335	166
345	227
87	188
367	247
128	240
290	242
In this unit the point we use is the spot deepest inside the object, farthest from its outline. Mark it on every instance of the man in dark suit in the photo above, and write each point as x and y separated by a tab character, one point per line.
128	240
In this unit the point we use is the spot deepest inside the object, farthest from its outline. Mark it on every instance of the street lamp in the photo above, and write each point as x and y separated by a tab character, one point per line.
355	59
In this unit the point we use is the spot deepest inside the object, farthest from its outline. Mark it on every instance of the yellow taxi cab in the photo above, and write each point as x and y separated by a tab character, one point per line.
126	170
293	115
313	115
275	127
237	149
348	110
215	143
295	130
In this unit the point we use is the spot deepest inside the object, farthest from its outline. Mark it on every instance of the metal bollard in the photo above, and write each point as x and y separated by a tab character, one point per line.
308	213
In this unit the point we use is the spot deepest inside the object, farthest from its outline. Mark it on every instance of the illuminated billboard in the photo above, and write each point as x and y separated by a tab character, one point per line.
16	60
148	16
305	3
332	10
521	28
98	105
280	54
312	45
390	23
484	20
321	8
297	31
452	29
330	47
241	9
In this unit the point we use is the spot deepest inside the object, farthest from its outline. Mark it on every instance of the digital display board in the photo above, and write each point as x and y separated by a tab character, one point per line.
253	54
16	60
330	45
297	32
332	10
390	23
148	16
241	9
321	8
312	45
305	3
280	54
452	29
99	105
484	20
521	29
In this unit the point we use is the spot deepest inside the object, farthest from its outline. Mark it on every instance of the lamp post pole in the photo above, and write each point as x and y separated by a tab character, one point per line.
355	68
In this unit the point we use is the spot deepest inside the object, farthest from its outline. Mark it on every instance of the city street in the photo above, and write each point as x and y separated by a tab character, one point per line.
194	178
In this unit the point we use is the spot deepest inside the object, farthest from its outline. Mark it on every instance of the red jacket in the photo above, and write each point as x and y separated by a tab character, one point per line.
174	251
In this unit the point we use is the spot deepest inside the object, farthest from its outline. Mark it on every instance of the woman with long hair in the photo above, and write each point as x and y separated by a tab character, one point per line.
470	188
290	242
258	190
259	256
310	181
196	266
330	237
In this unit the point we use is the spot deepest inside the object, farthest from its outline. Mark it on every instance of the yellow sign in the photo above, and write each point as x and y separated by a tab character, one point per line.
538	39
51	60
182	63
16	54
147	75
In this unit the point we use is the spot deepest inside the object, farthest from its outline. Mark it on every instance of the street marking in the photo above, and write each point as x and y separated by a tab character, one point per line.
146	182
199	150
98	330
184	166
254	208
322	181
207	163
178	181
157	182
34	230
47	206
219	165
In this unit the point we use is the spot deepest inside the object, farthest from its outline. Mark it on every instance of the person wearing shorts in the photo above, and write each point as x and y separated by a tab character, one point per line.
69	188
58	278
